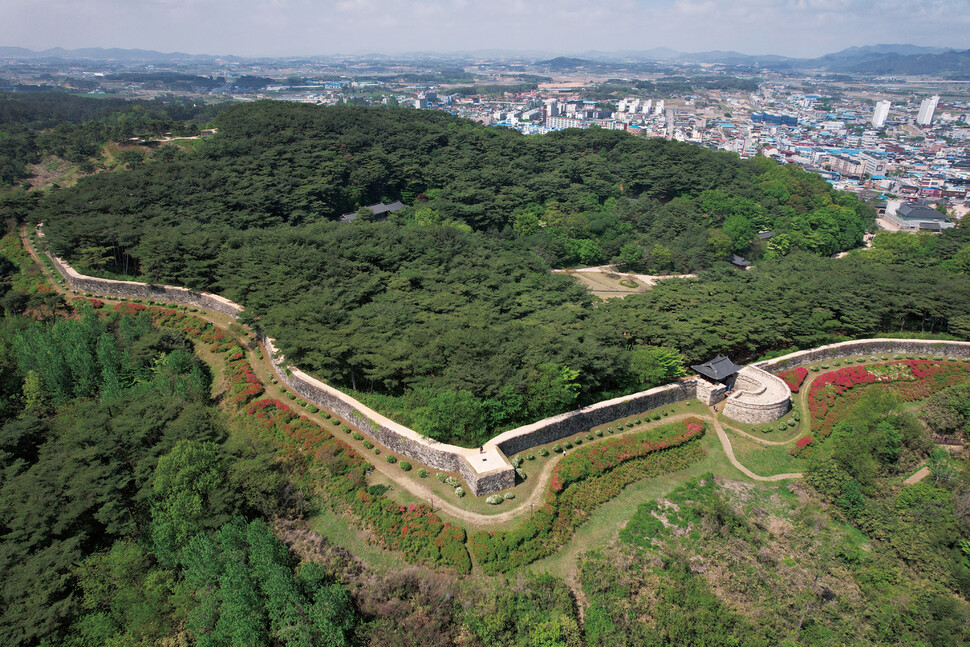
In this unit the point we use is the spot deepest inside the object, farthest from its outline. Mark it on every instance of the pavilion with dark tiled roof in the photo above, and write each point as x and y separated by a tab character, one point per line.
380	211
718	369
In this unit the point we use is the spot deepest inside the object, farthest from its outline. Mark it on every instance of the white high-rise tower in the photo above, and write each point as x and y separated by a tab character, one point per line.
926	110
880	113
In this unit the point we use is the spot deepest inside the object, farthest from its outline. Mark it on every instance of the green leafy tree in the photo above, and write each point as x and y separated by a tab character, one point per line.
35	401
630	255
125	599
655	365
553	389
186	496
451	414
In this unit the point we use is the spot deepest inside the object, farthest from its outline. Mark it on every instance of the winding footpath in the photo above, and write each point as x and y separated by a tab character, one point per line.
726	443
412	484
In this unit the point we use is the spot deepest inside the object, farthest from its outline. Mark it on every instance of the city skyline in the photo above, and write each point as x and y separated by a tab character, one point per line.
795	28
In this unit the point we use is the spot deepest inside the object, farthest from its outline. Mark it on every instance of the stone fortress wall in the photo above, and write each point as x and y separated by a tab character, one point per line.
489	470
497	472
600	413
392	435
758	397
878	347
133	290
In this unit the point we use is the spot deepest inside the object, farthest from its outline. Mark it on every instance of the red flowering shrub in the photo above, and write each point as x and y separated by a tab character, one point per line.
584	480
95	303
243	383
128	308
800	445
597	459
833	393
794	378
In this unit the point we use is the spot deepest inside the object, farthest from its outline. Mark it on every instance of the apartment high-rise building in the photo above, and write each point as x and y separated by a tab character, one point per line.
880	113
926	110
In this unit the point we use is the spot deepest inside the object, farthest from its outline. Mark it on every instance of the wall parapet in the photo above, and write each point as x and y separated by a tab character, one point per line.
136	290
488	469
857	347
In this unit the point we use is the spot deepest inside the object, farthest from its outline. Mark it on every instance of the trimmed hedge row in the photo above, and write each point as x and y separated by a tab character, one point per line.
333	465
582	482
832	393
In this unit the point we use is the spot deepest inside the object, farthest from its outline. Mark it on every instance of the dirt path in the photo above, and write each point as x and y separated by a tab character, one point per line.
726	444
25	241
920	474
265	371
649	279
761	440
478	519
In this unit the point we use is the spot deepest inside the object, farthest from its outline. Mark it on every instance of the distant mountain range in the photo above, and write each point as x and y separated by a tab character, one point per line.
882	59
871	59
102	54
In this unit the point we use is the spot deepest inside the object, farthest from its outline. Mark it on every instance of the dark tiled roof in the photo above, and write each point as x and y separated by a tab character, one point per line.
718	368
378	209
740	261
918	212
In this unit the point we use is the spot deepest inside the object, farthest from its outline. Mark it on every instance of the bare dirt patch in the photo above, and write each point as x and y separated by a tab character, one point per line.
609	285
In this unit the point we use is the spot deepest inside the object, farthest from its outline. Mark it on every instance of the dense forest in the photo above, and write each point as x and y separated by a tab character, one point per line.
134	510
449	305
137	509
571	196
74	128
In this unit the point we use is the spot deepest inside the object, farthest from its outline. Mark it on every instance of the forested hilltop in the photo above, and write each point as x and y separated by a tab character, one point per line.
570	196
446	316
74	129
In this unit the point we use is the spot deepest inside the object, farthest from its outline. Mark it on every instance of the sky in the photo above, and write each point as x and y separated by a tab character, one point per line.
318	27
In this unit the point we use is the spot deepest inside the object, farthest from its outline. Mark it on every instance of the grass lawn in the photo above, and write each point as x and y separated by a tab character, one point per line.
608	285
774	433
340	533
764	460
187	143
605	521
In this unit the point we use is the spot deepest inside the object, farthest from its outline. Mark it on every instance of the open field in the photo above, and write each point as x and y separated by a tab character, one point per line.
606	282
609	285
762	459
605	522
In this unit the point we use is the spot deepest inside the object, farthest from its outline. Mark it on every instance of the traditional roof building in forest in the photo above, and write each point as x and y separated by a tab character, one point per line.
718	369
380	211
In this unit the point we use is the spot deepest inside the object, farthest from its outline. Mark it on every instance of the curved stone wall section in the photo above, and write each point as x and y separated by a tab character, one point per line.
883	346
497	475
759	397
135	290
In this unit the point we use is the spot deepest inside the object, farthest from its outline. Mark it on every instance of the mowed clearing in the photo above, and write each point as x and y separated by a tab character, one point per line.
606	283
